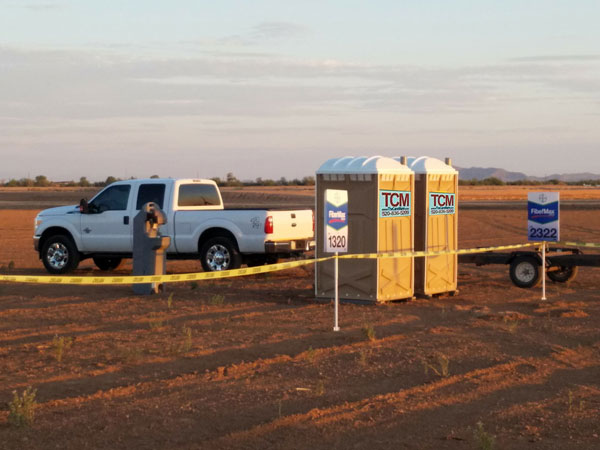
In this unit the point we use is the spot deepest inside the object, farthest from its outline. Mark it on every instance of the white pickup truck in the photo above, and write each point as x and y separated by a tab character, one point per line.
197	223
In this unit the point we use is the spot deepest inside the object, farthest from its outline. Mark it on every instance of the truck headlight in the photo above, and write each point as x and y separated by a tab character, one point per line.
37	222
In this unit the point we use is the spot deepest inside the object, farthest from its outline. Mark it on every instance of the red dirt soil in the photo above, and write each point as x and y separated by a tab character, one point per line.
262	367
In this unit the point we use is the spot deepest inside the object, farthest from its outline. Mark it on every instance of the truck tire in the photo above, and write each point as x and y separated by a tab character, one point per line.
219	253
525	271
59	254
107	263
564	274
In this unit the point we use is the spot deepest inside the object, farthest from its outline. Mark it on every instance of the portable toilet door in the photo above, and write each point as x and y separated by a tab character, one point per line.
371	229
436	225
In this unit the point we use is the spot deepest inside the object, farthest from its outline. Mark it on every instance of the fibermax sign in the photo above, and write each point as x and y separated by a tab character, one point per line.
394	203
441	203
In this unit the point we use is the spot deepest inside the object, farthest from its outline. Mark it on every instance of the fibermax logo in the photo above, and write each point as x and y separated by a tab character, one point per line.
336	217
541	212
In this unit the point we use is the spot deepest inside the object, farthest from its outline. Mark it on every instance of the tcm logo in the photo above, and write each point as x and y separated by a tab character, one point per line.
393	199
442	200
394	203
441	203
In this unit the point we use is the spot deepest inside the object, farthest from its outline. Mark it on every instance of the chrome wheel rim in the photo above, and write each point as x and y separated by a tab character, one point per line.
525	272
57	255
218	257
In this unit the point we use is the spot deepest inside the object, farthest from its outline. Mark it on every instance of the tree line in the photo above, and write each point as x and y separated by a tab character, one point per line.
494	181
229	180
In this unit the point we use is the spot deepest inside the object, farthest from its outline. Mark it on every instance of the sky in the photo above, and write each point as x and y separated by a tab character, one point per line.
274	88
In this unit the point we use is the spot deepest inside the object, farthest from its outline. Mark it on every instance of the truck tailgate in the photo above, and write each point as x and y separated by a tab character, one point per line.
289	225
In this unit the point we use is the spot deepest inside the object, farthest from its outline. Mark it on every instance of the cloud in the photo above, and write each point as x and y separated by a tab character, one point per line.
557	58
98	84
39	6
264	32
277	30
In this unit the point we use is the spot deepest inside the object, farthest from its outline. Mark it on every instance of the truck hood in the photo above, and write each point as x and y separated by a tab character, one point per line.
59	211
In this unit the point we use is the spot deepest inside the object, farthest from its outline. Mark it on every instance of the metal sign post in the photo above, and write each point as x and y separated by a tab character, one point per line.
336	236
543	223
336	326
544	270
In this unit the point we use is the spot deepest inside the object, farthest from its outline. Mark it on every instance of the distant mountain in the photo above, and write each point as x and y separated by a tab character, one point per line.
567	177
480	173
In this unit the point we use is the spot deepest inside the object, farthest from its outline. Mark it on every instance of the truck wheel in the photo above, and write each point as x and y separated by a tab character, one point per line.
564	274
219	253
525	271
107	263
59	254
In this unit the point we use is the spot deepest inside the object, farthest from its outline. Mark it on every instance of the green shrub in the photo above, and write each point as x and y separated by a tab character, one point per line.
22	409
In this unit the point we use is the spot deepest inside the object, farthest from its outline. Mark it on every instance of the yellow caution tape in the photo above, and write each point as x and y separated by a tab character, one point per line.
133	279
435	253
579	244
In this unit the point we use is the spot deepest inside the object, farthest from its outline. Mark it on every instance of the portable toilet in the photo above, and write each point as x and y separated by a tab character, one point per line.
380	219
436	224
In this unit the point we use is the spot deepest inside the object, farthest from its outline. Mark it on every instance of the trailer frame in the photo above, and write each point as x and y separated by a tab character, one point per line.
562	264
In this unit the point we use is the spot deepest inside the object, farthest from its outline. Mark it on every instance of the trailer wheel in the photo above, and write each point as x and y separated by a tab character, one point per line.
525	272
563	274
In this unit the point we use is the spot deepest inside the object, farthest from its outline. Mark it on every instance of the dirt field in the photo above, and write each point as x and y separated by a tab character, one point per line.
253	362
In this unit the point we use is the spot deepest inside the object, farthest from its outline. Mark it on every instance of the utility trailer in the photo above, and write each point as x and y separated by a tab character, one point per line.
562	264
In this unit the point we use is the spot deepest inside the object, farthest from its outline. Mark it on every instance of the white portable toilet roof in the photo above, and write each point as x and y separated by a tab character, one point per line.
363	164
426	164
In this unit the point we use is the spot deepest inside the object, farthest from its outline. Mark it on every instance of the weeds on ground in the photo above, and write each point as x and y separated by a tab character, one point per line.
131	355
155	321
11	266
442	369
363	357
22	409
193	285
180	348
571	403
368	331
187	343
511	325
217	299
170	301
310	355
320	388
483	439
60	345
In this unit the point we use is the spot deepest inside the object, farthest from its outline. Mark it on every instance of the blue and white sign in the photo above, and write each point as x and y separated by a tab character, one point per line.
441	203
394	203
543	216
336	221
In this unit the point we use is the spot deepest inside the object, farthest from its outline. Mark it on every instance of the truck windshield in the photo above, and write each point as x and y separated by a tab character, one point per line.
198	195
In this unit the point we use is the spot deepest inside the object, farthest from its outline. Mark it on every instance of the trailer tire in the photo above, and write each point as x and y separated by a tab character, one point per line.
564	275
525	271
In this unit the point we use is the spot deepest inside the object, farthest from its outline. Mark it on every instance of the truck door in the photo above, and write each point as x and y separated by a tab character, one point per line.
107	227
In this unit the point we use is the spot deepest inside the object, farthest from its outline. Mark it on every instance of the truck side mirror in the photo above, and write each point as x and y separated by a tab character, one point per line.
84	208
